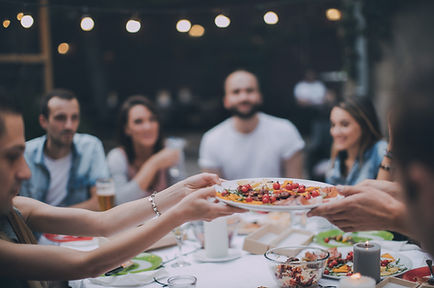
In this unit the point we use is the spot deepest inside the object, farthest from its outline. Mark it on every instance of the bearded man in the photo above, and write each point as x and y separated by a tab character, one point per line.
250	143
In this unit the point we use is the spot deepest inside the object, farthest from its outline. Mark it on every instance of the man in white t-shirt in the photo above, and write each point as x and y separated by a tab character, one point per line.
250	143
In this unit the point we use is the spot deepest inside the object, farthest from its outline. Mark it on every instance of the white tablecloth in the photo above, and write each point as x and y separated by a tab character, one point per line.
247	271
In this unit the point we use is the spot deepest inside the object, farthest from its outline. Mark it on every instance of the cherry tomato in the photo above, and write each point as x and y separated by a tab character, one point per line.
273	199
331	265
225	193
327	272
301	189
349	273
244	189
249	199
288	187
307	196
248	186
276	186
327	240
315	193
295	185
265	199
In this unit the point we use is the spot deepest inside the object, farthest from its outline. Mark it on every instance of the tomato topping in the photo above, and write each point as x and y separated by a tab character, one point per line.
307	196
249	199
276	185
288	187
244	189
225	193
265	199
315	193
327	272
327	240
273	199
302	189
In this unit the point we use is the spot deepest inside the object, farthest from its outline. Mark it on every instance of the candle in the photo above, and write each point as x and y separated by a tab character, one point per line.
367	259
357	281
216	238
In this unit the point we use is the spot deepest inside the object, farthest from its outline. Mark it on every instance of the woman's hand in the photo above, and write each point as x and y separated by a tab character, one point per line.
198	206
165	158
178	191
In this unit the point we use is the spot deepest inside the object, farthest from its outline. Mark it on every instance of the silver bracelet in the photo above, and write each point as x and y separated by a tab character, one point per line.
154	206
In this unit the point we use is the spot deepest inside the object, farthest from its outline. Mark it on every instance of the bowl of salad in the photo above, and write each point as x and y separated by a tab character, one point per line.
297	266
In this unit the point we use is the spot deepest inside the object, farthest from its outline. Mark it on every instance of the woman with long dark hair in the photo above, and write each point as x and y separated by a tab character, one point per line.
358	148
139	165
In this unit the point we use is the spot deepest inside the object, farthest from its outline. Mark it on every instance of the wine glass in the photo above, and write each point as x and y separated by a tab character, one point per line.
179	236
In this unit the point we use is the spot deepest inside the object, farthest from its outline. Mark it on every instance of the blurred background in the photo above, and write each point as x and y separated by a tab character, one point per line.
107	50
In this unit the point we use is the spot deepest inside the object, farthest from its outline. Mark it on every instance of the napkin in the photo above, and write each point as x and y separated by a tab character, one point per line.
130	279
391	245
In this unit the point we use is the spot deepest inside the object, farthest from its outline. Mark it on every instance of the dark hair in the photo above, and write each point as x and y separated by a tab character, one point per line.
363	111
8	105
61	93
125	140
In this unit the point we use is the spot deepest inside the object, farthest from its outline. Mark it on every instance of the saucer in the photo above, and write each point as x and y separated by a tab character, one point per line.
232	255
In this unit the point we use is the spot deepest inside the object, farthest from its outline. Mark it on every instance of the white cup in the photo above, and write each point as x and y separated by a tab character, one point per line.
216	238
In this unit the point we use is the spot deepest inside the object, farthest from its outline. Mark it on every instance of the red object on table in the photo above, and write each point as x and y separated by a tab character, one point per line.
65	238
417	275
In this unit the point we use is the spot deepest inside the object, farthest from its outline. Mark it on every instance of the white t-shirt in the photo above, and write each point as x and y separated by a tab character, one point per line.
257	154
59	176
312	92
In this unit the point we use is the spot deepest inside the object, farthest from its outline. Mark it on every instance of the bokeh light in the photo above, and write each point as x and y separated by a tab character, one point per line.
27	21
87	23
6	23
222	21
196	31
333	14
20	15
271	18
63	48
183	25
133	26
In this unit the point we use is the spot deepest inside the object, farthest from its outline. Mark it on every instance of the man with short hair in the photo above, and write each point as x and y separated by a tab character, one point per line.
65	165
250	143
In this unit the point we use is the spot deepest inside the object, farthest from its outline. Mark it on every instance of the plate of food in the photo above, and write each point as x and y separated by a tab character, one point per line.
340	263
276	194
420	275
338	238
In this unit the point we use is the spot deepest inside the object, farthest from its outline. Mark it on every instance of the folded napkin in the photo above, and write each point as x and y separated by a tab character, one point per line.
130	279
391	245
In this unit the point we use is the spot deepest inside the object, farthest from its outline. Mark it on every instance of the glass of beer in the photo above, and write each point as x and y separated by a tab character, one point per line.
105	190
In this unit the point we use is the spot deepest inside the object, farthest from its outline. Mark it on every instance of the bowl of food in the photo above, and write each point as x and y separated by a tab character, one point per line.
298	266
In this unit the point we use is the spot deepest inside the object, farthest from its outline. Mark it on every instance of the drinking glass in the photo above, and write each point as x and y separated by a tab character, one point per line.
182	281
105	191
179	236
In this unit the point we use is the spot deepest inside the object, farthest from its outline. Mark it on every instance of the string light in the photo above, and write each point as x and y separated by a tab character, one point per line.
133	25
20	15
196	31
6	23
183	25
271	18
222	21
63	48
87	23
27	21
333	14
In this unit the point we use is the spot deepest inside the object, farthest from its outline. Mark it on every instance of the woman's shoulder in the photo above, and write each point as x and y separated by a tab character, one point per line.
117	154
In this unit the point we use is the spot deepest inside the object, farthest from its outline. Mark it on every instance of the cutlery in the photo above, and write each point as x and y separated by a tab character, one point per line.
431	279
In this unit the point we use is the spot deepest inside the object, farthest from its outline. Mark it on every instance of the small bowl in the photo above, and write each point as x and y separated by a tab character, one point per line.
298	266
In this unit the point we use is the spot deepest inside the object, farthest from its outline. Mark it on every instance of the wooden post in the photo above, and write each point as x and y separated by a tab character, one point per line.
45	40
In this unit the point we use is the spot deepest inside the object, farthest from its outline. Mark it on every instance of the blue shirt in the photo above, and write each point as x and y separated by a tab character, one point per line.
88	164
368	170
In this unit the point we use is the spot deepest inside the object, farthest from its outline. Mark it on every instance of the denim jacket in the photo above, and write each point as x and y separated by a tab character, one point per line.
368	170
88	164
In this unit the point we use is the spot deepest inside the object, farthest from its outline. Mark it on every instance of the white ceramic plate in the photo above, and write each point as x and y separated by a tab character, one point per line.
404	260
233	184
232	255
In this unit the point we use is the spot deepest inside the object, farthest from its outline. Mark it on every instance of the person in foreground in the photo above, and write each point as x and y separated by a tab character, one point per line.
21	260
140	164
406	207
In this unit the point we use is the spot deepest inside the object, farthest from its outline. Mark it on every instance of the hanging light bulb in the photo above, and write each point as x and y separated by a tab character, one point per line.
133	25
196	31
222	21
333	14
271	18
63	48
20	15
6	23
87	23
183	25
27	21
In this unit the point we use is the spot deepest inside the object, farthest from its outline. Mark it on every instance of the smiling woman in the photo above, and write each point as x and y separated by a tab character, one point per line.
139	165
357	148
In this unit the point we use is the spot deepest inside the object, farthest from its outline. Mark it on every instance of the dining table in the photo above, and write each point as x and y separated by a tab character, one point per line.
245	270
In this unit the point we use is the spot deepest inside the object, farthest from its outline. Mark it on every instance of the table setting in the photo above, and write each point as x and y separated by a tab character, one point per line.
216	255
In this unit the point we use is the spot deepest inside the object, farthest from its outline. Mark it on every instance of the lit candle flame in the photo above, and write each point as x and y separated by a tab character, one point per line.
356	276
